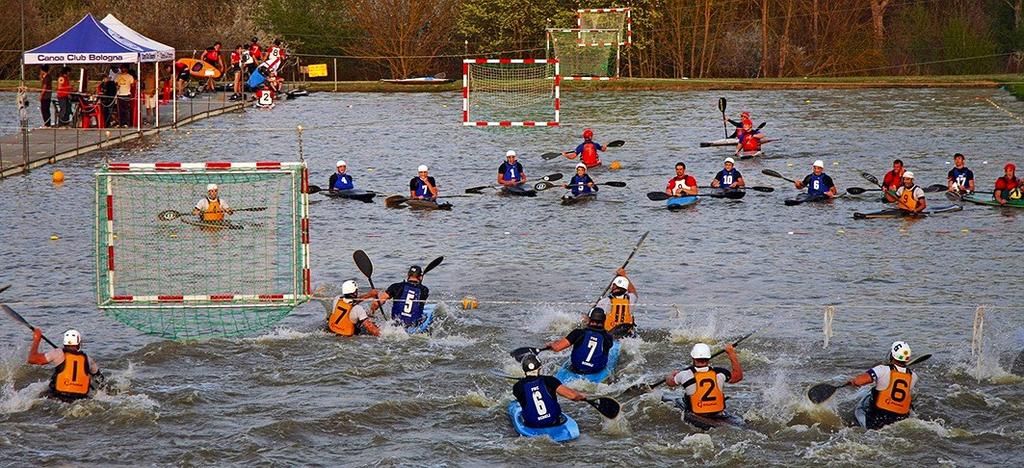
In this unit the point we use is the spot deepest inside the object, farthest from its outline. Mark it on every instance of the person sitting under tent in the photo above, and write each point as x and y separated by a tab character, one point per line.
211	207
75	371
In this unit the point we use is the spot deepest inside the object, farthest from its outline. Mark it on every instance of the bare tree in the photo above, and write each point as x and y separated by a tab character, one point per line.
406	35
1016	6
878	21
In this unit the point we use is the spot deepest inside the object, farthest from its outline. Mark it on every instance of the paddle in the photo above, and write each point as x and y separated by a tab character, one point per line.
642	388
822	392
608	407
364	265
4	288
18	318
721	107
311	189
624	264
553	155
547	178
771	173
169	215
661	196
756	188
519	353
542	186
615	144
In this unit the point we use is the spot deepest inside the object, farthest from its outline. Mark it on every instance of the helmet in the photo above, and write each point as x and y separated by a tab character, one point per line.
531	364
900	351
72	338
597	315
745	115
908	175
341	162
415	270
730	160
422	168
255	39
621	282
579	165
747	123
510	153
700	351
1010	166
349	287
818	163
211	187
588	133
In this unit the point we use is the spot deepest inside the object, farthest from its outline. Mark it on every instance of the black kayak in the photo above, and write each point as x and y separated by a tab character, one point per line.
518	191
898	213
805	198
427	205
354	194
570	199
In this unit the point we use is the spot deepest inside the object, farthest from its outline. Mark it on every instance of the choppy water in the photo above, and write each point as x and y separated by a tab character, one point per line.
294	395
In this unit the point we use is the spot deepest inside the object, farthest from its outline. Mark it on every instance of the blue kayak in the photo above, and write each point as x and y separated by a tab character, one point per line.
676	203
566	375
564	432
428	318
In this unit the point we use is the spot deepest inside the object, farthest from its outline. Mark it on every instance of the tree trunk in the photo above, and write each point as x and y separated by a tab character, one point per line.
764	39
1016	6
878	21
784	40
705	49
814	24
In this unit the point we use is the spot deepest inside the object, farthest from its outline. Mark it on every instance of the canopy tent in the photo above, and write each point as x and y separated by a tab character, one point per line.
161	52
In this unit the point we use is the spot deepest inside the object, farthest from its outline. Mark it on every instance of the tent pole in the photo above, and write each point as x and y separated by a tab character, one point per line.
138	94
174	91
156	93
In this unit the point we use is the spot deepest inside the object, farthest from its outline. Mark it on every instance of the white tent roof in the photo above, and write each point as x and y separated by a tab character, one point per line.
161	52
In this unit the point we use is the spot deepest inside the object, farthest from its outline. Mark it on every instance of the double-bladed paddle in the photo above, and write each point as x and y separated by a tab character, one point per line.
934	188
553	155
547	178
721	107
169	215
823	391
542	186
771	173
730	194
18	318
756	188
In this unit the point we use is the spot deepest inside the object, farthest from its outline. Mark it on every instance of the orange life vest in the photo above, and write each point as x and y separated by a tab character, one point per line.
213	211
71	377
618	313
708	397
339	321
907	200
896	397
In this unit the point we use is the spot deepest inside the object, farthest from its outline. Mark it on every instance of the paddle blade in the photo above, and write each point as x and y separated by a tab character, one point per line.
363	263
762	125
542	186
608	407
935	188
657	196
433	264
771	173
734	194
919	360
4	288
477	190
519	353
395	201
953	196
616	143
855	190
553	177
870	178
615	184
313	189
721	104
820	393
550	155
758	188
706	144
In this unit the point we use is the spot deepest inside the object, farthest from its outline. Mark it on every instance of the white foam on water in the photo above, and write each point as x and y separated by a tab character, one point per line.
616	427
553	322
479	399
17	401
284	334
935	426
702	444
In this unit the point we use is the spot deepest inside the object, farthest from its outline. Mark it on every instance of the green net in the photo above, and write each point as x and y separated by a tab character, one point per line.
169	272
585	53
516	91
618	19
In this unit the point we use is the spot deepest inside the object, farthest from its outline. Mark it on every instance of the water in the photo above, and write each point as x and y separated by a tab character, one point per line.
294	395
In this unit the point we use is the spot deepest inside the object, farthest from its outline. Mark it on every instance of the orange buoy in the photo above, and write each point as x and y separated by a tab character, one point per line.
58	177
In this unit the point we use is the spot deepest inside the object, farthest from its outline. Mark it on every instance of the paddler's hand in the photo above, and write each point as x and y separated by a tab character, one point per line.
621	272
730	350
37	334
670	380
374	293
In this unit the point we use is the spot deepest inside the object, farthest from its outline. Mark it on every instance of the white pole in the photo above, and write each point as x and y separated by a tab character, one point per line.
156	93
138	94
174	90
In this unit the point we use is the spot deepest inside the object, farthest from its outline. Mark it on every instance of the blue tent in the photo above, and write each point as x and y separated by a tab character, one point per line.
90	41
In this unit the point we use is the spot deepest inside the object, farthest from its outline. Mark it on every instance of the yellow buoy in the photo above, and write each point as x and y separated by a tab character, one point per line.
54	237
173	235
58	177
615	165
469	302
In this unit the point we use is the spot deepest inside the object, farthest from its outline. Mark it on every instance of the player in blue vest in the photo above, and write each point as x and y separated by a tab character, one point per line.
729	177
538	395
590	346
340	180
510	172
423	187
409	296
960	179
581	183
818	183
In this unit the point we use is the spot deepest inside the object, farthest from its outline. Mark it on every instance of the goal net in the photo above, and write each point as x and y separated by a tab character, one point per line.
171	273
585	54
510	92
619	19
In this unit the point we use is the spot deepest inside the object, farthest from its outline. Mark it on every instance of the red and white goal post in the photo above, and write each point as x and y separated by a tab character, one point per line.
510	92
607	18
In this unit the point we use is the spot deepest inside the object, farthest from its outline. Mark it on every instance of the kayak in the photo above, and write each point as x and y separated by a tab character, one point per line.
566	375
564	432
428	319
734	194
354	194
989	200
570	199
678	203
212	225
729	142
805	198
898	213
428	205
750	154
419	80
518	191
704	422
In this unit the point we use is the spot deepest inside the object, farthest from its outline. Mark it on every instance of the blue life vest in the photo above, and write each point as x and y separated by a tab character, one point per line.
960	176
343	182
511	173
407	307
422	190
589	355
579	184
817	186
541	408
727	178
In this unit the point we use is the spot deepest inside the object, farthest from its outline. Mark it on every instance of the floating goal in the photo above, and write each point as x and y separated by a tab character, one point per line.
585	54
510	92
619	19
170	273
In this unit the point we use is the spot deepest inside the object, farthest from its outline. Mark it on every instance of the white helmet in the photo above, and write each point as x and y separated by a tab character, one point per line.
211	187
621	281
908	175
422	168
818	163
701	351
510	153
900	351
730	160
349	287
579	165
341	162
72	338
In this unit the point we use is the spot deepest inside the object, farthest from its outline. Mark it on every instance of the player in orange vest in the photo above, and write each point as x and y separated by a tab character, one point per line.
703	383
350	314
75	371
893	384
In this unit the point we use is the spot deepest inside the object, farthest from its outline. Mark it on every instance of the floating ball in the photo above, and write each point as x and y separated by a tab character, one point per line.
173	235
58	177
840	231
54	237
965	230
789	164
469	302
615	165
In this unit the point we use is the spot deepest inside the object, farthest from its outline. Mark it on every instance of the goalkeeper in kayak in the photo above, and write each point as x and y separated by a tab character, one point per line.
211	207
748	138
341	180
587	151
350	315
709	400
619	321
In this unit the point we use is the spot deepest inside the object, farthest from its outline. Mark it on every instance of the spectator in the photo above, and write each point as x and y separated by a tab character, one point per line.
236	70
183	77
212	57
106	91
255	55
46	95
64	97
125	82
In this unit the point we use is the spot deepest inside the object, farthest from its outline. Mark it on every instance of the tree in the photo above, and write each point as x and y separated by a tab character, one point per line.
878	21
406	35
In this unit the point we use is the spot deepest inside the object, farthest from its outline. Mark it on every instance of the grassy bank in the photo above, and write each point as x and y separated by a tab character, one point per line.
1014	83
